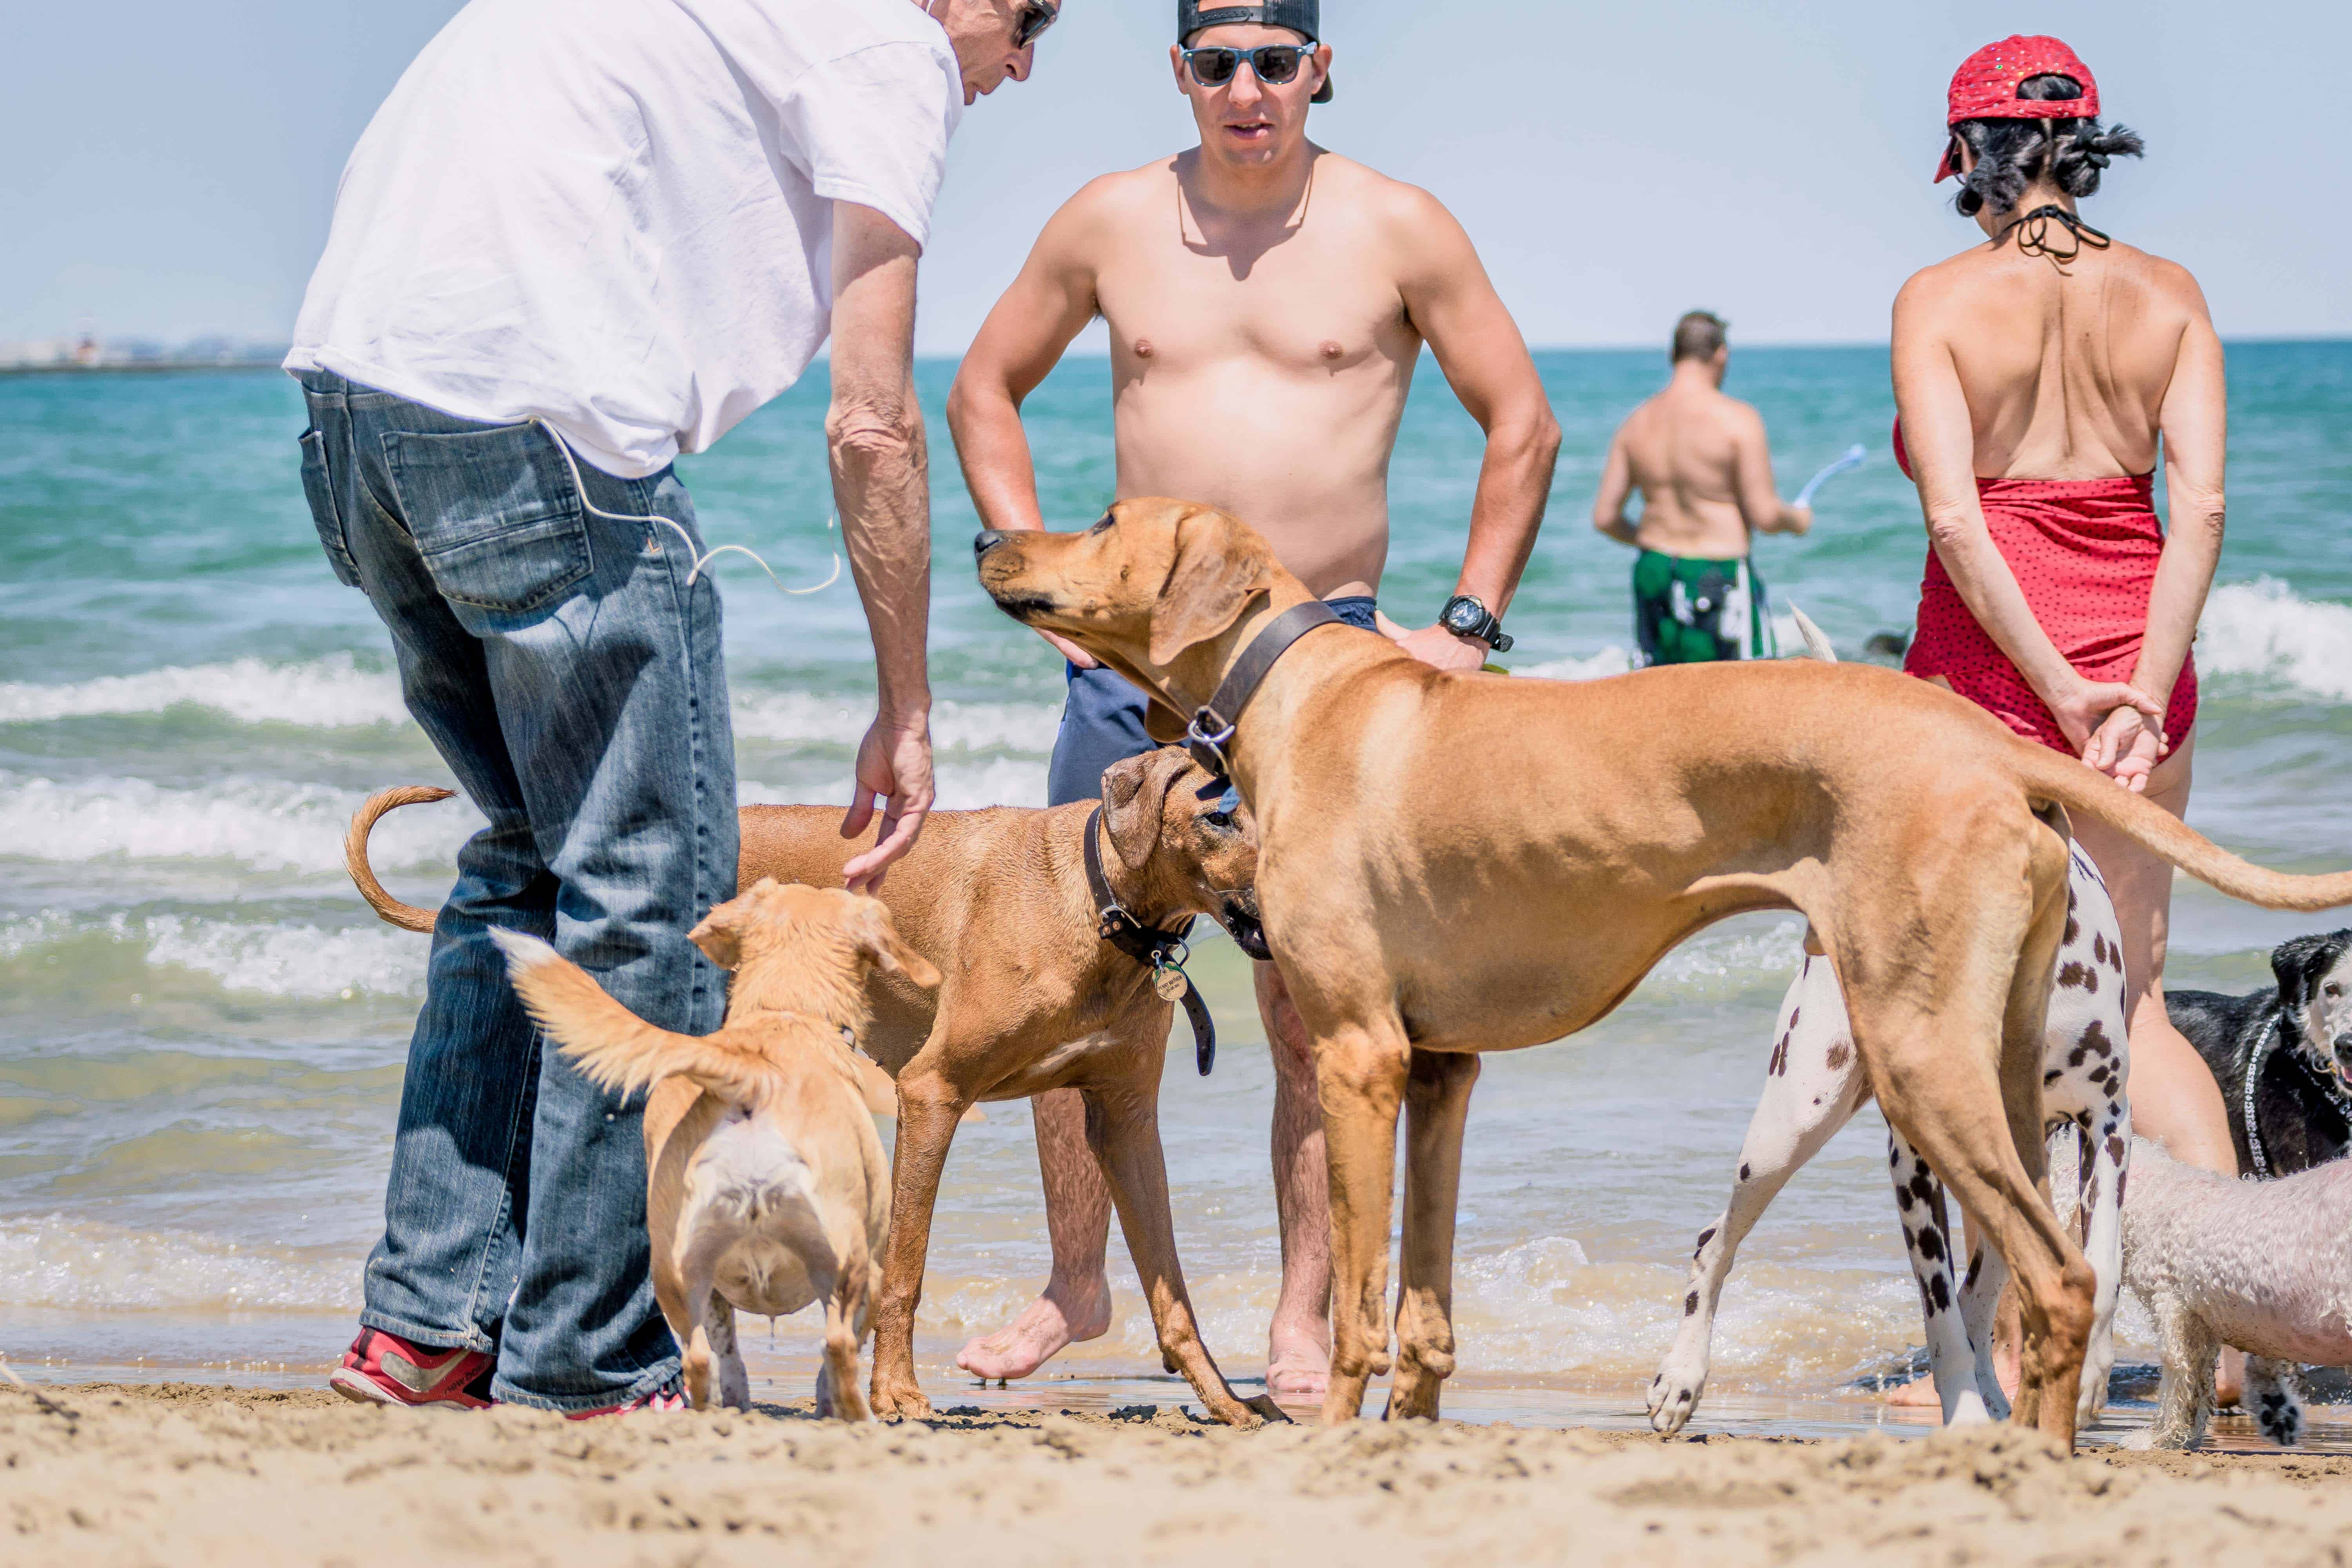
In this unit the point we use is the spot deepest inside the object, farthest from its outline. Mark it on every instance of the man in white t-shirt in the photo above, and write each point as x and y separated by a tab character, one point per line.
581	237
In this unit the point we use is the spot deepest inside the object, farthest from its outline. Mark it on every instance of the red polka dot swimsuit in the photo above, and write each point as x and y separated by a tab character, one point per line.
2085	551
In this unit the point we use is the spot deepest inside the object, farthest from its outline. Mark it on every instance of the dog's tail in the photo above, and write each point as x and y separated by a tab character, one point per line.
620	1052
2048	776
389	910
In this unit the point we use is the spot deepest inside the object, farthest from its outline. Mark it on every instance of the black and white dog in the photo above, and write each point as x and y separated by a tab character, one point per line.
2283	1057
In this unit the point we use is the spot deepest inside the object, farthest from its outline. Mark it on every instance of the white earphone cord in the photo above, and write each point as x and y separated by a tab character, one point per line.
674	527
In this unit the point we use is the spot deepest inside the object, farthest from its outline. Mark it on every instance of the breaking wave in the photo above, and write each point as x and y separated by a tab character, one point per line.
2263	629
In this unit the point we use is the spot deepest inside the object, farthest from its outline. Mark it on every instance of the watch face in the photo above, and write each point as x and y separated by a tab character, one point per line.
1462	616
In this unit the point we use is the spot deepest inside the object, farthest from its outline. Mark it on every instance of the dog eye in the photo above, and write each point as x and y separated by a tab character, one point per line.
2332	991
1221	820
1106	521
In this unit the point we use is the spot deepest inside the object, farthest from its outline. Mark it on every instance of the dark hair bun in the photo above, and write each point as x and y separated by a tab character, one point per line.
2011	154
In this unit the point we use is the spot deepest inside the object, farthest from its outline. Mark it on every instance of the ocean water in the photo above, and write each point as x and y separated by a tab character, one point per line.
202	1028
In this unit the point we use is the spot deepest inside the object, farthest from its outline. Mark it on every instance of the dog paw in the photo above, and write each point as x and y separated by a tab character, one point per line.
901	1403
1671	1404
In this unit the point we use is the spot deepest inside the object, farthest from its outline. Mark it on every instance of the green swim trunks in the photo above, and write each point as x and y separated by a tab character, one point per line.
1687	611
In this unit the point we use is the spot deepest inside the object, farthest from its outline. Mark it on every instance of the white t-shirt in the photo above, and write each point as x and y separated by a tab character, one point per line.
615	215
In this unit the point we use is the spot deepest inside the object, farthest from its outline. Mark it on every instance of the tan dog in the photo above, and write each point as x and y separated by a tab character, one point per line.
1033	999
766	1188
1458	863
1036	999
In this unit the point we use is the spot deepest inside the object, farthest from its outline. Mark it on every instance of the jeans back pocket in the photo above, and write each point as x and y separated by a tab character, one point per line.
495	513
326	516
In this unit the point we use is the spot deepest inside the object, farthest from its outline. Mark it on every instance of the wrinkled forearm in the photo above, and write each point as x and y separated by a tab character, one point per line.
881	485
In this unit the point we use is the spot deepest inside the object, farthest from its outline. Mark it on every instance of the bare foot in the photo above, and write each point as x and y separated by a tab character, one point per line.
1064	1315
2229	1377
1919	1393
1298	1360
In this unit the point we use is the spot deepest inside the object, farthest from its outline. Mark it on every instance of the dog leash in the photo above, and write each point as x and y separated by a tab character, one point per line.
1161	952
1211	729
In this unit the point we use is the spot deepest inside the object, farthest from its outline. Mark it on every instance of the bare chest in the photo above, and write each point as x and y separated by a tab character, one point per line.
1308	306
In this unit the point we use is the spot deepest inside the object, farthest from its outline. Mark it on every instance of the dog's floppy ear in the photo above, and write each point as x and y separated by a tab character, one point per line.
1217	570
877	938
720	935
2298	962
1163	723
1135	801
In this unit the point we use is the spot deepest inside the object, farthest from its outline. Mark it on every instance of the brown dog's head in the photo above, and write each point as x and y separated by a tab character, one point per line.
1151	582
794	948
1187	841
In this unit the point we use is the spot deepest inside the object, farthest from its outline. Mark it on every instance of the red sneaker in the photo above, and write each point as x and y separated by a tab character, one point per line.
660	1399
384	1369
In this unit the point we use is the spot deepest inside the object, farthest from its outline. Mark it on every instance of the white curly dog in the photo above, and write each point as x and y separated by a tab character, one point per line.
2264	1266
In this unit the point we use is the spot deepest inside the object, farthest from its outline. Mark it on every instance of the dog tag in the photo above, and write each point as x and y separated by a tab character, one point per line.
1169	983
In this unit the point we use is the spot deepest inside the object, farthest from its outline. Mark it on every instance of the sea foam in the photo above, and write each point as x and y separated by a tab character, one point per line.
266	824
2263	629
85	1266
329	693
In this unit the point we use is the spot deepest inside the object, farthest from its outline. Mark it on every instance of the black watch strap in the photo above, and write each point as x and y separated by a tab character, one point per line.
1489	628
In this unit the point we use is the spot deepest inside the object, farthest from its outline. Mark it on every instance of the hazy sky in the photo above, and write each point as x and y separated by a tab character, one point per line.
1616	165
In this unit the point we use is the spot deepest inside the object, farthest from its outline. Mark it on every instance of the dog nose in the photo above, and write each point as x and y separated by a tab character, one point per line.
989	538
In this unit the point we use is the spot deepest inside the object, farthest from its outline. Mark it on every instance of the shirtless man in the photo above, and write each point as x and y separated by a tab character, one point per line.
1704	471
1267	302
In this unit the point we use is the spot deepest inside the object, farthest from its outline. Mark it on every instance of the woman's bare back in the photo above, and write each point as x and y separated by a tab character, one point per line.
2066	364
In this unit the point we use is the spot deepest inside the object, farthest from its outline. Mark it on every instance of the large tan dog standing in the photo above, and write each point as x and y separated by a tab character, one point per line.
1458	863
766	1188
1034	998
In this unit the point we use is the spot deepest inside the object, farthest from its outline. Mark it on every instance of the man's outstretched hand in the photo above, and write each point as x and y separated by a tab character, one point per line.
1434	646
894	767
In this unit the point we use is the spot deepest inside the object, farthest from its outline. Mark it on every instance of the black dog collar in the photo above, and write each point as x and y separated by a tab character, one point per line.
1211	729
1161	952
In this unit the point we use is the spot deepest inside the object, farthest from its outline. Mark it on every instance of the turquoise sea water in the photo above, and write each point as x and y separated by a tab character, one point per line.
201	1029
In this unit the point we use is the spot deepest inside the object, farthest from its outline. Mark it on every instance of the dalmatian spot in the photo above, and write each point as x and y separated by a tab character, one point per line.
1923	1185
2115	1148
2099	947
2095	1040
1703	1237
1743	1170
1976	1266
1926	1301
1838	1056
2078	976
1903	1198
2123	1180
1779	1066
1795	1014
1931	1244
2052	1076
1690	1303
1943	1292
2074	926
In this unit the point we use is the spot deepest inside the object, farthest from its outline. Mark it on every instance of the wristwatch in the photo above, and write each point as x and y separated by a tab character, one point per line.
1467	616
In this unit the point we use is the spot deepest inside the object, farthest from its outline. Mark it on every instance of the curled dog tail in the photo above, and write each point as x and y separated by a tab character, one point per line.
2050	777
389	910
620	1052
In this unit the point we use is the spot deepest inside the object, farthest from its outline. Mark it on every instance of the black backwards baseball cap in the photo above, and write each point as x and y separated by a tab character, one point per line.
1302	16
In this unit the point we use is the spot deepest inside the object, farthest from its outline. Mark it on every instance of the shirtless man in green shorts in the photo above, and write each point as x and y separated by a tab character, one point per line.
1267	302
1704	471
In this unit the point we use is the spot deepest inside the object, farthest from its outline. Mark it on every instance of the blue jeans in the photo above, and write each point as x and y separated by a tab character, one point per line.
572	681
1102	723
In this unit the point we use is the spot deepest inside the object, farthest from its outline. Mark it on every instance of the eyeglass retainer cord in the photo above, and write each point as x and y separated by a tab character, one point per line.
676	527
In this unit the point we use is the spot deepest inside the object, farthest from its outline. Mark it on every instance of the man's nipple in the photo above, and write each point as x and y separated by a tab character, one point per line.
1143	349
1331	350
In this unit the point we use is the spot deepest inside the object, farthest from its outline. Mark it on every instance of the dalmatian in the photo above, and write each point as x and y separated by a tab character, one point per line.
1813	1085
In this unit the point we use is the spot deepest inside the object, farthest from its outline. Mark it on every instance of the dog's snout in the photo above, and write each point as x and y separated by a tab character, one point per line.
2343	1045
988	540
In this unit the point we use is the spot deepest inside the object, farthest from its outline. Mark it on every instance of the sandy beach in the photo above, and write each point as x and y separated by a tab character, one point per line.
105	1473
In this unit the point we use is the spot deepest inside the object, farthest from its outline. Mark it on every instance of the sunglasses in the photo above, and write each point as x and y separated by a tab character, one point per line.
1273	63
1032	20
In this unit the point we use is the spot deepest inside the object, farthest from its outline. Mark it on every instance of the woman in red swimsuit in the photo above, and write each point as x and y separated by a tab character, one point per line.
2037	376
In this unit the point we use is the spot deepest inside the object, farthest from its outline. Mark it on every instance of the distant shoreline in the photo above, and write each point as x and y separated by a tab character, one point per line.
138	367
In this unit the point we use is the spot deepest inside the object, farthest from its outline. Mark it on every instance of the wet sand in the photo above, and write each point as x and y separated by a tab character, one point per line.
102	1473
